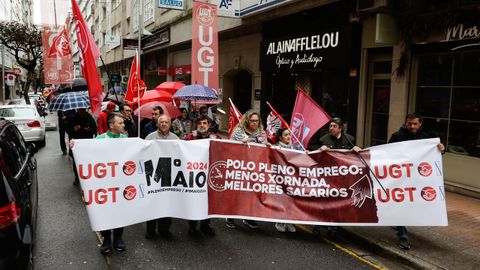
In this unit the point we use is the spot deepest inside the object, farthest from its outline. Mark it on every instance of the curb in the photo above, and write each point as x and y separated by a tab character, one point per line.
387	251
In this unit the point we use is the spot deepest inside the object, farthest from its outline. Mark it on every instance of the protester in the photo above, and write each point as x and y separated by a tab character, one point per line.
130	127
249	130
336	139
151	126
411	130
182	126
81	126
102	118
284	140
163	224
202	132
63	118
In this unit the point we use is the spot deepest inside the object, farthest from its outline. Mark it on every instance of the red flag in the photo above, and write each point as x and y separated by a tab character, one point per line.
57	56
307	118
135	87
88	54
233	120
60	45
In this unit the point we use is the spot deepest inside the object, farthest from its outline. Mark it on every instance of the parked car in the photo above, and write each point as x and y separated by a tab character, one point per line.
27	120
39	103
18	198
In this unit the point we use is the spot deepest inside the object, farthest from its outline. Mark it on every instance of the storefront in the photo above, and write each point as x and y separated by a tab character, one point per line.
440	81
316	54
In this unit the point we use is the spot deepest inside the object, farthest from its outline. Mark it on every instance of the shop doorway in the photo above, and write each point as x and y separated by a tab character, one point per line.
378	100
242	90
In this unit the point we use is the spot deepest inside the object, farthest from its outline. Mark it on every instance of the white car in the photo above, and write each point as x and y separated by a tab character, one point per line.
27	120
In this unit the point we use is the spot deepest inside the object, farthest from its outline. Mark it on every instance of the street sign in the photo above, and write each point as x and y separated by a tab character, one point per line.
130	44
171	4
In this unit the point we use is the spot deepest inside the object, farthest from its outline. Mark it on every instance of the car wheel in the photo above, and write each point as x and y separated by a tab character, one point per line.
41	143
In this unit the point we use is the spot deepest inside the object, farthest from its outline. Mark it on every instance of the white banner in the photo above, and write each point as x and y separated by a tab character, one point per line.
128	181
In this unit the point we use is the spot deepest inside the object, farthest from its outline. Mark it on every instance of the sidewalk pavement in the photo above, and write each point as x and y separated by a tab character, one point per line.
456	246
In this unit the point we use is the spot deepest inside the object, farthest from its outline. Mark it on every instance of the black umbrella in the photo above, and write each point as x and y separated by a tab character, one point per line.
79	84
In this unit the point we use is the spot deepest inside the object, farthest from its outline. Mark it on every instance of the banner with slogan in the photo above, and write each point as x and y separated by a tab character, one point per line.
129	181
205	44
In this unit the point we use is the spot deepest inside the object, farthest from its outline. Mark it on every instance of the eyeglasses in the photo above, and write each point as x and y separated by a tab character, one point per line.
127	110
253	120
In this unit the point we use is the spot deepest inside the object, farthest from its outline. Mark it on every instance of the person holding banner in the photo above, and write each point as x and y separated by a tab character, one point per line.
115	130
411	130
202	132
284	140
336	139
249	130
162	224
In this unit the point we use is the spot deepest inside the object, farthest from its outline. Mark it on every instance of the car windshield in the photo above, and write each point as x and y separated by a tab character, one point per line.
17	112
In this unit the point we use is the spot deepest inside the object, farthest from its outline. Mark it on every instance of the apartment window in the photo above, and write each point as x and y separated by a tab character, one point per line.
448	96
135	22
148	11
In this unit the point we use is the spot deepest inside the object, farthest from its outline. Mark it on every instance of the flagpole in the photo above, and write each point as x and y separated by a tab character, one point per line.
109	78
288	126
138	91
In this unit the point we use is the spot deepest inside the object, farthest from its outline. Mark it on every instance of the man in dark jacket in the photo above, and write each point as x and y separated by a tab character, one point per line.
411	130
336	139
130	126
202	132
81	126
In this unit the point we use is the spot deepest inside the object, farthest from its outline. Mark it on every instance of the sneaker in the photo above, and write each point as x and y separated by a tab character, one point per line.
250	223
230	224
290	228
193	232
207	230
166	235
403	243
106	247
280	227
76	182
119	245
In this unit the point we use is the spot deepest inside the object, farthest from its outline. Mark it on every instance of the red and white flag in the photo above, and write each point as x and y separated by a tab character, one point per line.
234	119
57	55
307	118
135	87
88	54
205	44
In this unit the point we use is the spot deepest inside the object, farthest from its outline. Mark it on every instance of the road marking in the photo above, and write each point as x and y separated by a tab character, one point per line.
344	249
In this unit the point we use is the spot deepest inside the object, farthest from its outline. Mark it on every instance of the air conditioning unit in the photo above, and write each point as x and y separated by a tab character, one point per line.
124	79
368	5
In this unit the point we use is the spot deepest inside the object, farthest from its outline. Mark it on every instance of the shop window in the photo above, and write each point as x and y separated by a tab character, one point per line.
448	96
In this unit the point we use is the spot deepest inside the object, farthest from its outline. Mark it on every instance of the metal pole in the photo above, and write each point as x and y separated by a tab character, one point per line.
55	12
140	30
3	73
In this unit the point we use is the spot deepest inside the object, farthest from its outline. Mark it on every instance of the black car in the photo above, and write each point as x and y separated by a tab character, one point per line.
18	198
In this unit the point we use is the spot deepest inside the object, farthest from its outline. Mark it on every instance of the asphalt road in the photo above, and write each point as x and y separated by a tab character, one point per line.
65	240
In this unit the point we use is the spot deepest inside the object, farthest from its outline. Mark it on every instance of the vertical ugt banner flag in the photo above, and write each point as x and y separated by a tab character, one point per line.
307	118
205	45
88	54
57	55
135	87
